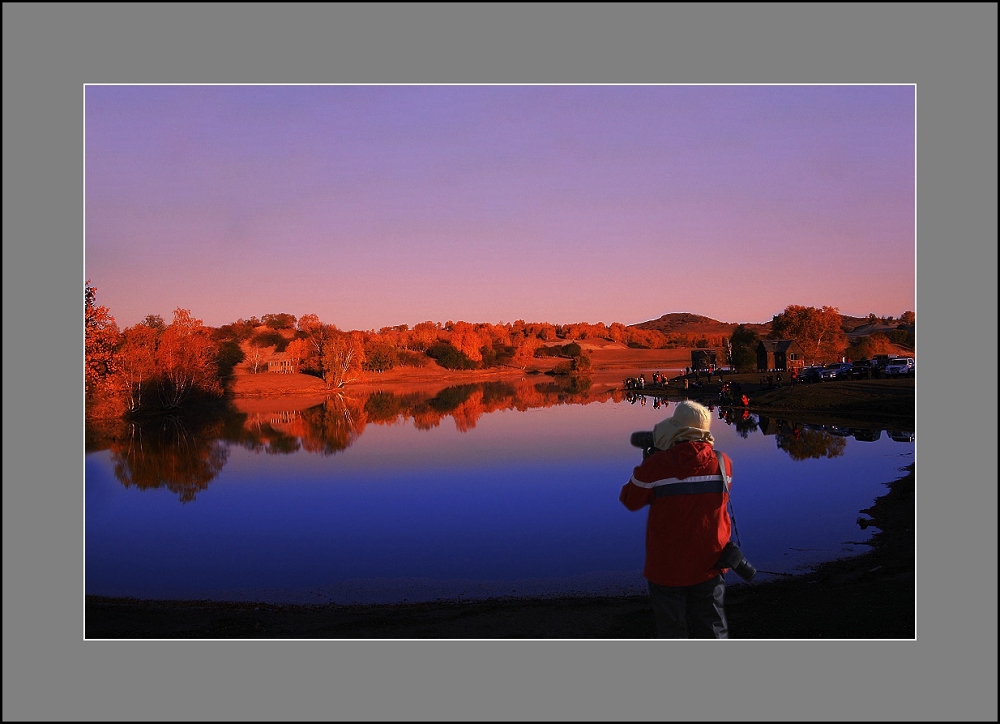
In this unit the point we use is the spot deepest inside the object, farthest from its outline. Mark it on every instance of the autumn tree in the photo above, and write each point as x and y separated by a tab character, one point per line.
318	335
279	321
136	362
467	340
618	332
423	336
343	358
186	360
257	353
524	352
380	353
743	348
154	322
817	330
101	337
297	350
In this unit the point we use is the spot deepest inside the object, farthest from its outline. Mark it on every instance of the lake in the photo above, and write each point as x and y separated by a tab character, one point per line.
494	489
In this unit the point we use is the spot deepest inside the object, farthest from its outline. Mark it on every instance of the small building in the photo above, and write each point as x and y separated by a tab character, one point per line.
281	363
780	354
704	359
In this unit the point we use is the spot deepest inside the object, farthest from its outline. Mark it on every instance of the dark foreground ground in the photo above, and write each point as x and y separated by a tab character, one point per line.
871	596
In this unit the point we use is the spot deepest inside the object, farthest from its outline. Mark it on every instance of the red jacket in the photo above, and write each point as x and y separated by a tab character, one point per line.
688	525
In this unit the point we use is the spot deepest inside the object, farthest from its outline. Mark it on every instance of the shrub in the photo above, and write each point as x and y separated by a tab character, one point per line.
229	356
450	358
279	321
270	338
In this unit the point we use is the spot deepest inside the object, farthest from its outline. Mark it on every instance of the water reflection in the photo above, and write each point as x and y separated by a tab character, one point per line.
181	456
409	512
184	455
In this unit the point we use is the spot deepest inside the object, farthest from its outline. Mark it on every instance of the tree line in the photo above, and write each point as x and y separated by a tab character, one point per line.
154	365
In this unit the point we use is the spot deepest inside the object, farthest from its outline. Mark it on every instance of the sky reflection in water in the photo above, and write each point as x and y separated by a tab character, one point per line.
522	502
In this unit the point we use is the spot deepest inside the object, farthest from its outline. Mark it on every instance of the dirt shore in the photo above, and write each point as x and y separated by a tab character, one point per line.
870	596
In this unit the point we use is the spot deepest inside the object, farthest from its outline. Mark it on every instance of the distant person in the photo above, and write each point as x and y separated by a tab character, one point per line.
687	526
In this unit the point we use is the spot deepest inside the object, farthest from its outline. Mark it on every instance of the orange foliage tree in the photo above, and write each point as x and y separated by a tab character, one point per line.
524	353
343	358
101	338
467	340
136	363
186	360
819	331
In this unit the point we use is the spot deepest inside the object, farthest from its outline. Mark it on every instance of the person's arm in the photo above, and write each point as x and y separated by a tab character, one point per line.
634	497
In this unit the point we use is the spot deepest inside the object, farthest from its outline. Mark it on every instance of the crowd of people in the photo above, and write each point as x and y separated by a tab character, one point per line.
656	382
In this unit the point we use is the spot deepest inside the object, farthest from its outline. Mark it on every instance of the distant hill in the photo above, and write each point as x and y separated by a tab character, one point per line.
696	325
686	323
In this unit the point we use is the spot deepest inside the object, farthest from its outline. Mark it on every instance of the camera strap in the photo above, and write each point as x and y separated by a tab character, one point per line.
729	479
726	478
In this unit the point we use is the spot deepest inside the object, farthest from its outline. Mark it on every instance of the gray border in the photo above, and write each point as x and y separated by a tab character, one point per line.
49	51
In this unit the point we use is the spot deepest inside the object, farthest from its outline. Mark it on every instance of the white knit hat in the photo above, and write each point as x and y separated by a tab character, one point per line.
690	421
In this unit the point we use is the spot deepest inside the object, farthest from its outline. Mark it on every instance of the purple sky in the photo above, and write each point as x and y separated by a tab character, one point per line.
382	205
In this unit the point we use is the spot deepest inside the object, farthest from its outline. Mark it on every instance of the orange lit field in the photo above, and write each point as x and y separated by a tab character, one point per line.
611	363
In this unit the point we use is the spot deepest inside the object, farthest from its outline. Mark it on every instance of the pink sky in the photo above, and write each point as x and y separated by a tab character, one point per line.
382	205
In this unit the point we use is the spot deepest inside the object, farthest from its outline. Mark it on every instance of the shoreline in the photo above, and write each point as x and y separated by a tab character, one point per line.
856	598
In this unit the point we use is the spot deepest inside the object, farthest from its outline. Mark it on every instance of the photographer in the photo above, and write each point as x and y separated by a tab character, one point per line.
688	527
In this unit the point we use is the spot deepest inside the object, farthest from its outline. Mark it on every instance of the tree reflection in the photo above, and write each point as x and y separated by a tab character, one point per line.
170	453
744	421
803	443
333	426
185	454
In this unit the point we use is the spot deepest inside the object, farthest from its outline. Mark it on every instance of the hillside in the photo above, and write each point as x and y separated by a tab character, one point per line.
696	325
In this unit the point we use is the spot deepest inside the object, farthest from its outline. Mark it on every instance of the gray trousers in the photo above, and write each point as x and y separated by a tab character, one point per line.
695	612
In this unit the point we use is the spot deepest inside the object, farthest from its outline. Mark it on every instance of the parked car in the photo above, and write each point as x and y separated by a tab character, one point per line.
899	367
833	370
808	374
861	369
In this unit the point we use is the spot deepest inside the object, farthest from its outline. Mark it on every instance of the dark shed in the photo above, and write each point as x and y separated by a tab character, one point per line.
780	354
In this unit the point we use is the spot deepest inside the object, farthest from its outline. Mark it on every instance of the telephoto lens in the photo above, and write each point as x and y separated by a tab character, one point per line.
732	558
642	439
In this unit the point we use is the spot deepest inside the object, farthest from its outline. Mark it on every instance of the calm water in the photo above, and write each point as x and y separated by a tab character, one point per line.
476	491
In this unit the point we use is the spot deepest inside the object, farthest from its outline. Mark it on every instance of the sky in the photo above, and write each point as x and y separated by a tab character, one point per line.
375	206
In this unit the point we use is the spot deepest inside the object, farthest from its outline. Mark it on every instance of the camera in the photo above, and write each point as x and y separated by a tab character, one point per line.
643	440
732	558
